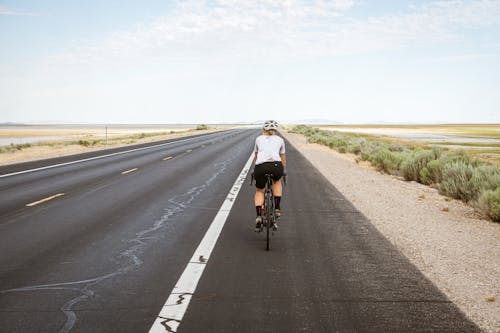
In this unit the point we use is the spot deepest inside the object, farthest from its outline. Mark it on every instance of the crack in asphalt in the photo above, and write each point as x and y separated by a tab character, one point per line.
166	320
177	204
182	297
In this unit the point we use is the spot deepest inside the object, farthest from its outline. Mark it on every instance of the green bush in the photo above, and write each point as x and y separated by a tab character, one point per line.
432	173
486	177
456	181
87	143
84	143
387	160
201	127
489	203
412	166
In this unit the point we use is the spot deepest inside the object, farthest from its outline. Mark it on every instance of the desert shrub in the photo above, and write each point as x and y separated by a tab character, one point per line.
365	155
412	166
456	181
489	203
7	149
201	127
14	147
396	147
87	143
432	173
22	146
386	160
354	148
84	143
485	177
461	155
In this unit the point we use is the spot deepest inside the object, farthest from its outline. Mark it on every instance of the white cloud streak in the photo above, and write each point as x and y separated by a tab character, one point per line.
273	30
9	12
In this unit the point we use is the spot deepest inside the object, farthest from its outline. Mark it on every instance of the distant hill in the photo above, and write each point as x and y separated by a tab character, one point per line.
11	124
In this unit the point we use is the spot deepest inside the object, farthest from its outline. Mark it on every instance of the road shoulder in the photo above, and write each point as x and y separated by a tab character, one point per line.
444	239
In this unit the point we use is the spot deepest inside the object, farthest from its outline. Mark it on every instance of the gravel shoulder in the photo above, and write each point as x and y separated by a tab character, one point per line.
445	239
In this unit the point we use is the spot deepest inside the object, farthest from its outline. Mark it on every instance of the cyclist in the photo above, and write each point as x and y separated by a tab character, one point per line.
269	159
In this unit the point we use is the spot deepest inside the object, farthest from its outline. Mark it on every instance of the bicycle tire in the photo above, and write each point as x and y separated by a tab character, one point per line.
269	217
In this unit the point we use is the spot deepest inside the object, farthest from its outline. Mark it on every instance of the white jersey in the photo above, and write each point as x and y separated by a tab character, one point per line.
269	148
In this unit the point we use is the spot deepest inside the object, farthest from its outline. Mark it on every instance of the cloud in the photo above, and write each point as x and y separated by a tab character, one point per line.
274	30
9	12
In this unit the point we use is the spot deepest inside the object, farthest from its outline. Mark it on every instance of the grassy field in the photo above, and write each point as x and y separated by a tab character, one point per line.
454	172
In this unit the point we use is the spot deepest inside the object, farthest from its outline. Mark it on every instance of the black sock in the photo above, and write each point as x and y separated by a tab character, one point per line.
258	209
277	201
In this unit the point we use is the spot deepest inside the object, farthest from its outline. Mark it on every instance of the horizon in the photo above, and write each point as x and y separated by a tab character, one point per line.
255	123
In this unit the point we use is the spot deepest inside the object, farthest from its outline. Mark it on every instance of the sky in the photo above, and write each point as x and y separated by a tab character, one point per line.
226	61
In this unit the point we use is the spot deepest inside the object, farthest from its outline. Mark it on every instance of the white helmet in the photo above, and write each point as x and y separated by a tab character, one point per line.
270	125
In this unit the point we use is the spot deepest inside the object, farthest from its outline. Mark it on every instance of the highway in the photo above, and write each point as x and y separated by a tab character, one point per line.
103	242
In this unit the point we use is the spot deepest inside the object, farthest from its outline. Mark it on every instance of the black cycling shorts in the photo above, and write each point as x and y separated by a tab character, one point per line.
274	168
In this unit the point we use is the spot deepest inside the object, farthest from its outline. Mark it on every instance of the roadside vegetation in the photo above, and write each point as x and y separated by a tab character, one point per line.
14	147
454	172
201	127
85	142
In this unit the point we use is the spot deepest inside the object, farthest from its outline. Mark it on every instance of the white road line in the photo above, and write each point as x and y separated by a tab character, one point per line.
173	310
97	157
44	200
167	158
129	171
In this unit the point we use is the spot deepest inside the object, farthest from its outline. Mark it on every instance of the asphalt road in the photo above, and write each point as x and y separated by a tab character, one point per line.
103	254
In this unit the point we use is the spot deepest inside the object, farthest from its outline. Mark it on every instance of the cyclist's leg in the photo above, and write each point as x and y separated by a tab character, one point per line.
277	192
260	183
278	188
259	197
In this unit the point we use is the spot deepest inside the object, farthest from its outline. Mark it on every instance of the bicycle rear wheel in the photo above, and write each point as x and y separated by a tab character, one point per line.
268	207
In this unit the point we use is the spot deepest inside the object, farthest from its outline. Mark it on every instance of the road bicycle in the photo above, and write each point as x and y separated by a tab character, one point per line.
269	218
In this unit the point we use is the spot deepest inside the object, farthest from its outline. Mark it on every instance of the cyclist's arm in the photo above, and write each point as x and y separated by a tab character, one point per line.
254	159
283	160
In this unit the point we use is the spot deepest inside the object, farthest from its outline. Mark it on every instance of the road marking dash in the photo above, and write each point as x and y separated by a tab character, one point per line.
167	158
189	150
129	171
178	301
45	200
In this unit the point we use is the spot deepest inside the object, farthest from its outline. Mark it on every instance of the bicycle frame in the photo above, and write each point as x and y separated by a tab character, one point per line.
269	212
269	217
